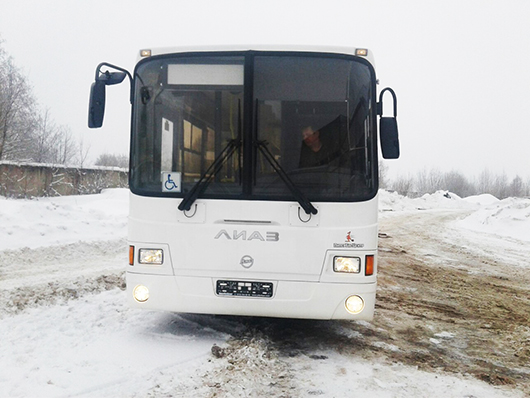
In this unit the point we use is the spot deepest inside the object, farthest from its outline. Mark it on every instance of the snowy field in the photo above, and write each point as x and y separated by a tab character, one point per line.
66	330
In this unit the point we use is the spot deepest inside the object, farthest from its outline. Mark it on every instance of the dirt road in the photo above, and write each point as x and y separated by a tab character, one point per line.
454	301
447	301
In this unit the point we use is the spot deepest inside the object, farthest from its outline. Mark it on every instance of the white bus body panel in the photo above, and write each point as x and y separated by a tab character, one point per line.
322	49
216	239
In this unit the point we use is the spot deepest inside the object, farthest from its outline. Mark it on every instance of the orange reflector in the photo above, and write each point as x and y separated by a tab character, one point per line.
369	269
131	255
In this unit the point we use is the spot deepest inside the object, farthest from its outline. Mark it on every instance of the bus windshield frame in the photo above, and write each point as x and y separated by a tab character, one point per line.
232	125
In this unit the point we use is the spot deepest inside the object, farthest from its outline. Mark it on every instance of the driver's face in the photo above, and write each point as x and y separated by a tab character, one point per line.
309	136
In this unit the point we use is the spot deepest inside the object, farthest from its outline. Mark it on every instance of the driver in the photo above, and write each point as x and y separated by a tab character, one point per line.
314	152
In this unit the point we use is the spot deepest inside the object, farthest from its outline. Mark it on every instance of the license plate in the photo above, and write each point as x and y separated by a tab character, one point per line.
244	288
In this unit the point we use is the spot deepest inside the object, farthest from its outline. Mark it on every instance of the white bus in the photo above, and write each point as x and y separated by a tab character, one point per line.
253	179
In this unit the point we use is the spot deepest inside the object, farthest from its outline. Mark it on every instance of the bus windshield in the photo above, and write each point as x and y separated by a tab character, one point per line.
240	121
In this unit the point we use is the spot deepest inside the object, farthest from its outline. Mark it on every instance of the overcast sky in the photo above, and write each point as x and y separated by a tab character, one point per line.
461	69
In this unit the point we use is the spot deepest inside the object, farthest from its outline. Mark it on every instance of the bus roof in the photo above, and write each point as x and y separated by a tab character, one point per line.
356	51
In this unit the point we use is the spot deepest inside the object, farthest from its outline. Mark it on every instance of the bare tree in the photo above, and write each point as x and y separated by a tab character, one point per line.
500	186
26	133
456	182
429	181
82	153
485	182
64	149
43	141
383	174
404	185
17	107
112	160
516	188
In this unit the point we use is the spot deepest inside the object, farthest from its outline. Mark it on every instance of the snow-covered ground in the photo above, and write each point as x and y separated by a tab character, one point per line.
66	330
486	225
62	220
503	218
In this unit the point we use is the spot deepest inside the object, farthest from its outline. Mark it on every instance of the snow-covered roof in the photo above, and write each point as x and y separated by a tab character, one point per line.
59	166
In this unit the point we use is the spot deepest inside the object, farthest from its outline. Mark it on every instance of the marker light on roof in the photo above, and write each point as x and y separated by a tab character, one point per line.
361	51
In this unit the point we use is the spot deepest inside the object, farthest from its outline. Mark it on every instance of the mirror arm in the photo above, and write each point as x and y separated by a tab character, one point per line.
380	103
98	73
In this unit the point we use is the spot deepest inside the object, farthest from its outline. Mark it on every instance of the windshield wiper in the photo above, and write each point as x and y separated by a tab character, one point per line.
201	185
299	196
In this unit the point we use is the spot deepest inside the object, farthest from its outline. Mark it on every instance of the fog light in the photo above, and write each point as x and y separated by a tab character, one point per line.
347	264
151	256
141	293
354	304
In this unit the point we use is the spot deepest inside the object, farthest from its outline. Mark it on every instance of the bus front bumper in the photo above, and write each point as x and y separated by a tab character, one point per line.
290	299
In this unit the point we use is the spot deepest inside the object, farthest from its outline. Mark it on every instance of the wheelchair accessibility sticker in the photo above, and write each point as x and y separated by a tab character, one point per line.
171	181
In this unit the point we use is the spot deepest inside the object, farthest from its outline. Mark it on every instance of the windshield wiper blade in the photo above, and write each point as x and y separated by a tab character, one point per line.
299	196
201	185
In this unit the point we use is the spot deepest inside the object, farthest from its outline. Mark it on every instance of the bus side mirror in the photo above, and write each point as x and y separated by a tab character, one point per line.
96	107
388	129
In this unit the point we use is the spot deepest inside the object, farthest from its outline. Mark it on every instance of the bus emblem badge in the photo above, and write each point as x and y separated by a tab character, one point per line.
246	261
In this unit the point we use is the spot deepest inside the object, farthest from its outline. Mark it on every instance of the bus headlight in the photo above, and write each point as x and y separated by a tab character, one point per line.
350	265
354	304
151	256
141	293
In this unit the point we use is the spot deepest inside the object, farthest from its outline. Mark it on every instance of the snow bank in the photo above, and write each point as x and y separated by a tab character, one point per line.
392	201
482	200
62	220
509	218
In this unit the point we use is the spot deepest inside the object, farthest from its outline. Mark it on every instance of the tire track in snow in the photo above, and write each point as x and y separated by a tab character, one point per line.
50	275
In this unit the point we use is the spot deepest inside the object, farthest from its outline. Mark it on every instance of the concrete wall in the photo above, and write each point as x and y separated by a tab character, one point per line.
21	180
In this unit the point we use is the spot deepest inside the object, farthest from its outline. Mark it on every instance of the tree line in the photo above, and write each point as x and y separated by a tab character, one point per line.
430	181
27	132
